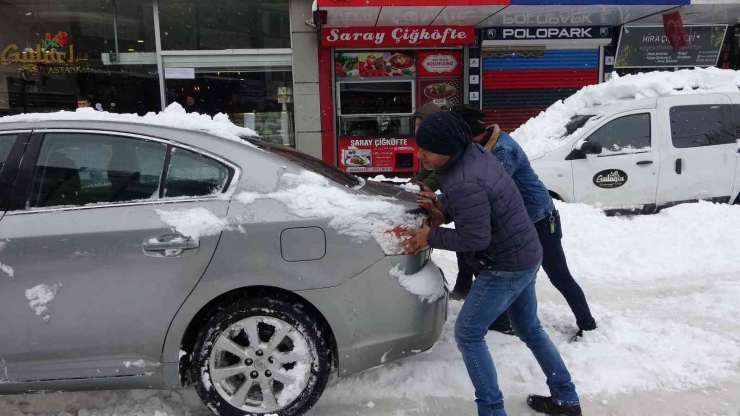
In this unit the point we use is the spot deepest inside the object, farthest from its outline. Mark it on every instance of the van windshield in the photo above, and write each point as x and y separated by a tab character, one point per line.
576	123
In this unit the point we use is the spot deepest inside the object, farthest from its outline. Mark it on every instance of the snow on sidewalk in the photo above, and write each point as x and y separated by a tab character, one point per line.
663	288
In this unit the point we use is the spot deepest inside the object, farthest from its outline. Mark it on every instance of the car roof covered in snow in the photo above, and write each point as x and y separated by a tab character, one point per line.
173	117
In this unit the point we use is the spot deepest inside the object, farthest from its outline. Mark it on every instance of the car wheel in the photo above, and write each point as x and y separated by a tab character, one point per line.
260	356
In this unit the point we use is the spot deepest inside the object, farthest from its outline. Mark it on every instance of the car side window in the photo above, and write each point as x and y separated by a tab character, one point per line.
6	143
626	133
80	169
701	125
736	114
192	174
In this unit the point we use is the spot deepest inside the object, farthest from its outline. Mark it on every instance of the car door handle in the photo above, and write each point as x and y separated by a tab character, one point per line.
644	162
169	242
679	166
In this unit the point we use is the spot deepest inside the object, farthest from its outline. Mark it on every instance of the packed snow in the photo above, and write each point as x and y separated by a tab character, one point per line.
361	217
40	297
426	284
664	289
545	132
140	364
174	116
394	179
194	222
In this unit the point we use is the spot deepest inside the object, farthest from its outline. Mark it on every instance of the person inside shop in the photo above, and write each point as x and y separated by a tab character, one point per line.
493	228
235	104
191	106
83	101
542	213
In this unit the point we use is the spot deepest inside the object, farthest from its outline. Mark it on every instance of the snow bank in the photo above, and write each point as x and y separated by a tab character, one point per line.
686	240
40	297
194	223
544	133
174	116
361	217
426	284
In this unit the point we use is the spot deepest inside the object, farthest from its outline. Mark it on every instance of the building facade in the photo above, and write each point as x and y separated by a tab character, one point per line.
136	56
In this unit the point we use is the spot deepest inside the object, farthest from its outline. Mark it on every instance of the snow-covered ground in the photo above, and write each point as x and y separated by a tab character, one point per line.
665	290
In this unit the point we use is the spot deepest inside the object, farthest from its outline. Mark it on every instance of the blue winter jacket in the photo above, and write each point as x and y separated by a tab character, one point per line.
536	198
491	221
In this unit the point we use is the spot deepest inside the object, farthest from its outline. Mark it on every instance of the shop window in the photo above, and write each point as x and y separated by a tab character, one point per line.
701	125
259	100
53	52
192	174
80	169
376	108
224	24
623	134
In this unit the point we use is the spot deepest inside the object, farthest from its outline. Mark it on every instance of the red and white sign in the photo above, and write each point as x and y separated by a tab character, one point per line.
378	154
437	64
357	37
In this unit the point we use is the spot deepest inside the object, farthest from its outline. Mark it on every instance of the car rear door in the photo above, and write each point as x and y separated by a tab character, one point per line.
699	150
100	268
625	173
12	145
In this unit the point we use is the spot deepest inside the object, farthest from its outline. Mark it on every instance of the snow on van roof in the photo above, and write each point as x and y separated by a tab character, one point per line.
545	132
174	116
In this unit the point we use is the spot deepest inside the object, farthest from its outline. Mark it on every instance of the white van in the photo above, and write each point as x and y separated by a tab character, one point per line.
648	154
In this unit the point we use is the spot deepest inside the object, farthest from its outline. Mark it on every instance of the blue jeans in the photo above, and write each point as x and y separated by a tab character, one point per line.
493	293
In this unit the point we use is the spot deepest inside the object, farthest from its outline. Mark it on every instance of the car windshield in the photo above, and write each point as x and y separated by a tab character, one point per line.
576	123
307	162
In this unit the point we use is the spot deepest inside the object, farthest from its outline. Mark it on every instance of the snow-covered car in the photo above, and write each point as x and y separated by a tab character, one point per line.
652	141
166	251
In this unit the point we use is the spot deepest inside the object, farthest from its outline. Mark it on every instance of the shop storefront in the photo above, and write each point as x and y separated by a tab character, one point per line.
379	83
136	56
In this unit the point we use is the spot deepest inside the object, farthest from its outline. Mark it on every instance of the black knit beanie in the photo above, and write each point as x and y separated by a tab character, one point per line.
473	118
443	133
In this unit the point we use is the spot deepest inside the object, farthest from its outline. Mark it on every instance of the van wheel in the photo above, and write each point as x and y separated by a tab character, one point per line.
261	356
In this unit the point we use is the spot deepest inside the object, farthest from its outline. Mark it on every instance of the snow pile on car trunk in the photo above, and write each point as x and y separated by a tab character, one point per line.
361	217
545	132
174	116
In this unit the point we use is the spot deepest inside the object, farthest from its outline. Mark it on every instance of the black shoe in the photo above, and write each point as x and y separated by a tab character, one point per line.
457	294
545	405
579	334
506	330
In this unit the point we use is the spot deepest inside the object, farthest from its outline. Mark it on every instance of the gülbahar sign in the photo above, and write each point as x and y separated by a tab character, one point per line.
52	55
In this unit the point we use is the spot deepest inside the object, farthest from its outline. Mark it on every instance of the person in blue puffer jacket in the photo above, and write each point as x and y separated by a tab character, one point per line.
541	210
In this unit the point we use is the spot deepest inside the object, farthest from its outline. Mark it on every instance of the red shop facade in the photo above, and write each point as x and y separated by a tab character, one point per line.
373	79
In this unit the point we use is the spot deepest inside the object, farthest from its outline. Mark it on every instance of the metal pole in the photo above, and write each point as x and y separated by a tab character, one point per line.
115	28
160	64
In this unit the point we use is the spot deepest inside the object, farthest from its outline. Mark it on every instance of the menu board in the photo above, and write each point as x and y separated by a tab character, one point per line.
378	154
374	64
441	91
648	46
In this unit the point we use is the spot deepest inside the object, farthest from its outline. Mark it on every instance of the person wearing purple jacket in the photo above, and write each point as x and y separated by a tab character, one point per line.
500	243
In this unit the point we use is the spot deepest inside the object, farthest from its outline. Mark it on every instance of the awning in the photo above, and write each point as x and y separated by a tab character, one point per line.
522	13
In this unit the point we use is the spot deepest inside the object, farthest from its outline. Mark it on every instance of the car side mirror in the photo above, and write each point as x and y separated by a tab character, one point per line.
590	148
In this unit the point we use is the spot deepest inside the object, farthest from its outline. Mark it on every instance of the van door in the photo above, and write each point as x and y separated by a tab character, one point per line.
736	113
625	174
698	153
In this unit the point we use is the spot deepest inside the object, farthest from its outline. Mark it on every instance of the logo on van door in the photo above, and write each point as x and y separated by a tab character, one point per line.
611	178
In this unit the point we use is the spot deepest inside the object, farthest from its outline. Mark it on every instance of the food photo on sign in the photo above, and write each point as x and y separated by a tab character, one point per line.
374	64
440	91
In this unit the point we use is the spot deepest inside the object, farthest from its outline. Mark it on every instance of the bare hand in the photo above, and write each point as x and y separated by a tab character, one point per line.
417	242
427	192
436	216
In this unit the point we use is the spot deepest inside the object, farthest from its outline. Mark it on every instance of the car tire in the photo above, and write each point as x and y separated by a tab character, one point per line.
284	372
